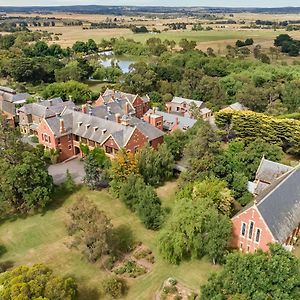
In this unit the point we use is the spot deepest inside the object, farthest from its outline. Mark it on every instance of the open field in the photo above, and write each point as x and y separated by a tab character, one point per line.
69	35
42	238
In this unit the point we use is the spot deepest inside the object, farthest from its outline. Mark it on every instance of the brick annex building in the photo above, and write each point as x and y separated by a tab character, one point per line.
112	124
274	215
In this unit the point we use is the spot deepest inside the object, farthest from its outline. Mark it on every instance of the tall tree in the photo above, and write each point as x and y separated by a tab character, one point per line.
95	167
91	228
191	231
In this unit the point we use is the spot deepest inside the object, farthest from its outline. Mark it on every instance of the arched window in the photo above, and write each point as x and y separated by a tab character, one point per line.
257	236
250	230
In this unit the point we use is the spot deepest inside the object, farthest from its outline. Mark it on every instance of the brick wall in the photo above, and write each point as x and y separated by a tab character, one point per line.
245	243
136	141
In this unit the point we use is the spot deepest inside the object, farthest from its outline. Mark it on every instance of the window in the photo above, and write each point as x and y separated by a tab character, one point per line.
49	139
136	148
108	150
257	236
250	230
243	229
178	108
58	141
248	249
70	147
241	246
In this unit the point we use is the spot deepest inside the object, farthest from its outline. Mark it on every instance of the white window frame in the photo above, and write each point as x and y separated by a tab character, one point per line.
250	239
241	230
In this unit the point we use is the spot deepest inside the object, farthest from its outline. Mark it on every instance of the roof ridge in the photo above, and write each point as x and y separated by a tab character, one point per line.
287	174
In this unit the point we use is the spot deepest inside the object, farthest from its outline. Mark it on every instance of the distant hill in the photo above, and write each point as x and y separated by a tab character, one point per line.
128	10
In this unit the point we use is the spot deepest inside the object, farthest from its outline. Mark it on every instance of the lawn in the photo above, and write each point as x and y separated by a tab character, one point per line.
42	238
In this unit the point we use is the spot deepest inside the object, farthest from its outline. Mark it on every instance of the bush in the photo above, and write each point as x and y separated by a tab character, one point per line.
69	184
131	269
172	281
35	139
114	287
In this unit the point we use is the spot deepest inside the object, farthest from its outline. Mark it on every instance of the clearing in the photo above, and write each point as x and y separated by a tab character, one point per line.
43	238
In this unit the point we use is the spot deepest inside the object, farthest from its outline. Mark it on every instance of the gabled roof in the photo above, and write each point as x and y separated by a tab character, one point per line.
116	107
181	100
237	106
8	107
279	205
148	130
169	120
117	95
269	170
47	108
93	128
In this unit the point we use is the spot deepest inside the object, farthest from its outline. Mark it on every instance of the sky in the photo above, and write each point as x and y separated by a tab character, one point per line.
228	3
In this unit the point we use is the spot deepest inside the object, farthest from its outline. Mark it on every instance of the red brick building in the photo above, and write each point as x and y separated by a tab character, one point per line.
168	122
110	132
9	101
273	216
136	104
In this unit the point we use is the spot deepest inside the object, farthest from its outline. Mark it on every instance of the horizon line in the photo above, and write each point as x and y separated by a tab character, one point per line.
144	5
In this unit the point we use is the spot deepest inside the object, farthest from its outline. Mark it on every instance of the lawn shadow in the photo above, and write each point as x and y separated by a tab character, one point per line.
90	293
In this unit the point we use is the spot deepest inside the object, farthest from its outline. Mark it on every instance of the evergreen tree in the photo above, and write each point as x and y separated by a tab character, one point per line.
69	184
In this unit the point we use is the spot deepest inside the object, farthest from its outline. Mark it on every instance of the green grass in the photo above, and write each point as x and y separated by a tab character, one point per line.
42	238
206	36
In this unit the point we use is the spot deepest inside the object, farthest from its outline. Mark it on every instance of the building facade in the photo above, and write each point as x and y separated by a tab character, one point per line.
273	216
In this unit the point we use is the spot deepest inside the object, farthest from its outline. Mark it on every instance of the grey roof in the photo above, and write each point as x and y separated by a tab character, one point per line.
150	131
47	108
8	107
188	101
6	89
116	107
238	106
279	205
147	129
269	170
112	94
169	120
91	127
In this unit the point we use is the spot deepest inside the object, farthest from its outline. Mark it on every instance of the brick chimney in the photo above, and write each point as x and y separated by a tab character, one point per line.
61	125
118	118
126	108
147	118
84	108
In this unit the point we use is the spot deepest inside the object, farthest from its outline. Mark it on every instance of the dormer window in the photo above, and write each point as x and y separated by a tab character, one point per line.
87	126
79	124
104	131
95	128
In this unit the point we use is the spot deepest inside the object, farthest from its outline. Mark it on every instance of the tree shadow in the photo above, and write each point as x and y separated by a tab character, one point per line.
85	292
5	265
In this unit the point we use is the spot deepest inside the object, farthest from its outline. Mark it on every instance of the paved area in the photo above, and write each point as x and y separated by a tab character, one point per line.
75	167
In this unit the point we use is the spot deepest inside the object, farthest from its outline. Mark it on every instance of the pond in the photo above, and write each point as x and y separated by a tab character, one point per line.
122	63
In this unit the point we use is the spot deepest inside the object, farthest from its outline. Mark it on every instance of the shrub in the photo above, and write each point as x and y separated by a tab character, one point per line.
35	139
131	269
172	281
114	287
69	184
